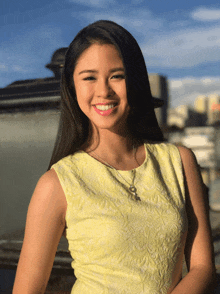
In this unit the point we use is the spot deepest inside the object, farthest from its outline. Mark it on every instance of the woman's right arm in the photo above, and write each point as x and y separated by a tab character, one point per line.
44	227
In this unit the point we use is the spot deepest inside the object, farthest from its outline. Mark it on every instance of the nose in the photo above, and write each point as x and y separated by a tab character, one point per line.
103	89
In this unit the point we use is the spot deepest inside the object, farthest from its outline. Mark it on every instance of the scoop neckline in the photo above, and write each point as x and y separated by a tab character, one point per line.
119	170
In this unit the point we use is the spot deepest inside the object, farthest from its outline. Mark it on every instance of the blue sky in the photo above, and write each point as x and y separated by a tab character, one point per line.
179	39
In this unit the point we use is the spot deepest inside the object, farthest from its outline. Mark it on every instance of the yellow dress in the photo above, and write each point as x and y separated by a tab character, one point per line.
118	244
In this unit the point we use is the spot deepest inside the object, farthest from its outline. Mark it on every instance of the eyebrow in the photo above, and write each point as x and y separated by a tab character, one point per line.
95	71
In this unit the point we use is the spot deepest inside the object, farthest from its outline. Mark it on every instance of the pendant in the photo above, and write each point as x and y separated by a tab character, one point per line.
133	191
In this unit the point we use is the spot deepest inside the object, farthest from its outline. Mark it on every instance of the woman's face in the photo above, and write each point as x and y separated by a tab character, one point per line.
99	79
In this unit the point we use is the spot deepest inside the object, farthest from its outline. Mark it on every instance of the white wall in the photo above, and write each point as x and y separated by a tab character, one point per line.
26	144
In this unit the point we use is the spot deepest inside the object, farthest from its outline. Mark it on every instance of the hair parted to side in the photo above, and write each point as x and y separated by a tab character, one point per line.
73	129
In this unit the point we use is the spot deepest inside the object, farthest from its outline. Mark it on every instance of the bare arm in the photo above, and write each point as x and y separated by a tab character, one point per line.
44	227
199	249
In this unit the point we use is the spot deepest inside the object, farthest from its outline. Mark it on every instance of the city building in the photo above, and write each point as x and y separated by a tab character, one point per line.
204	141
201	104
185	116
209	105
159	89
35	94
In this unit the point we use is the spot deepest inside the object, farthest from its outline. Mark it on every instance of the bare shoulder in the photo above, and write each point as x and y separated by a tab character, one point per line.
49	179
198	249
189	162
186	154
49	193
45	225
191	172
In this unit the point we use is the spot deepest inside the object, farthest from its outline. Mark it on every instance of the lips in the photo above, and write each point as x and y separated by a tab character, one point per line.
104	109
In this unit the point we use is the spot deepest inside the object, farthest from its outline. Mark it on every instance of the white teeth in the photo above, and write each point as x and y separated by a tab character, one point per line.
105	107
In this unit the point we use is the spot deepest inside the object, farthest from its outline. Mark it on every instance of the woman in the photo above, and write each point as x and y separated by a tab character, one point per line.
129	204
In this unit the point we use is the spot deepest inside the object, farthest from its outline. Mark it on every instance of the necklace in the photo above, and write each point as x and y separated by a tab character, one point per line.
132	187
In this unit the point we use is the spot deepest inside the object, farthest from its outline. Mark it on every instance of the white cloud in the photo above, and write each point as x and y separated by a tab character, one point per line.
208	81
3	67
25	53
94	3
137	1
139	21
164	43
206	14
185	91
184	48
176	84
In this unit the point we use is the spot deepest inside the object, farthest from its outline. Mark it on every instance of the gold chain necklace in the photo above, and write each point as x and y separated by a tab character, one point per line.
132	187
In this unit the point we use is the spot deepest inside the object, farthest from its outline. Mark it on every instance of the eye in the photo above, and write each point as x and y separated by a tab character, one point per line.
91	78
118	76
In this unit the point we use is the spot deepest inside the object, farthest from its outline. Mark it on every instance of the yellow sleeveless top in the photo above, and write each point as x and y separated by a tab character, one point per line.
118	244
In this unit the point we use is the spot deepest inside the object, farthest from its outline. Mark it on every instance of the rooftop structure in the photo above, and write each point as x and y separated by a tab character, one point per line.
41	93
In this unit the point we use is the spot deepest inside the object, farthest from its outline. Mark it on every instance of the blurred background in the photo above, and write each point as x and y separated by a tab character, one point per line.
180	42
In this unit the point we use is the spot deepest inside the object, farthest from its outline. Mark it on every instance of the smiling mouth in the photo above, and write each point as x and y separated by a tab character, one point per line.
105	107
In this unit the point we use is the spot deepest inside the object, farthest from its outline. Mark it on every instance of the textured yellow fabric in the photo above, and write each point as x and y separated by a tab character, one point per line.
120	245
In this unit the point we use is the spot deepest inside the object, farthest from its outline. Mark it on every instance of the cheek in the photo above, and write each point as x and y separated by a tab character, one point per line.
83	99
122	91
82	91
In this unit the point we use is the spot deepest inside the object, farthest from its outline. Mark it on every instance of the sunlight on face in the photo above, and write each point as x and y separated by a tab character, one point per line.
99	80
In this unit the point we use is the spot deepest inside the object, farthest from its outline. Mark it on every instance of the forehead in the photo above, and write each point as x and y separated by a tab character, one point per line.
99	55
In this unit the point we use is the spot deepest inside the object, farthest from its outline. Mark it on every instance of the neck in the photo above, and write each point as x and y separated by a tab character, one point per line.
117	150
110	142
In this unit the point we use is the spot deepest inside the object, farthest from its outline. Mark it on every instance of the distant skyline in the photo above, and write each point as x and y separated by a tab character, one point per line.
180	40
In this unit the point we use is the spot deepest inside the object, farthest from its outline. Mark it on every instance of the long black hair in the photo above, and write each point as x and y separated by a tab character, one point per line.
73	130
